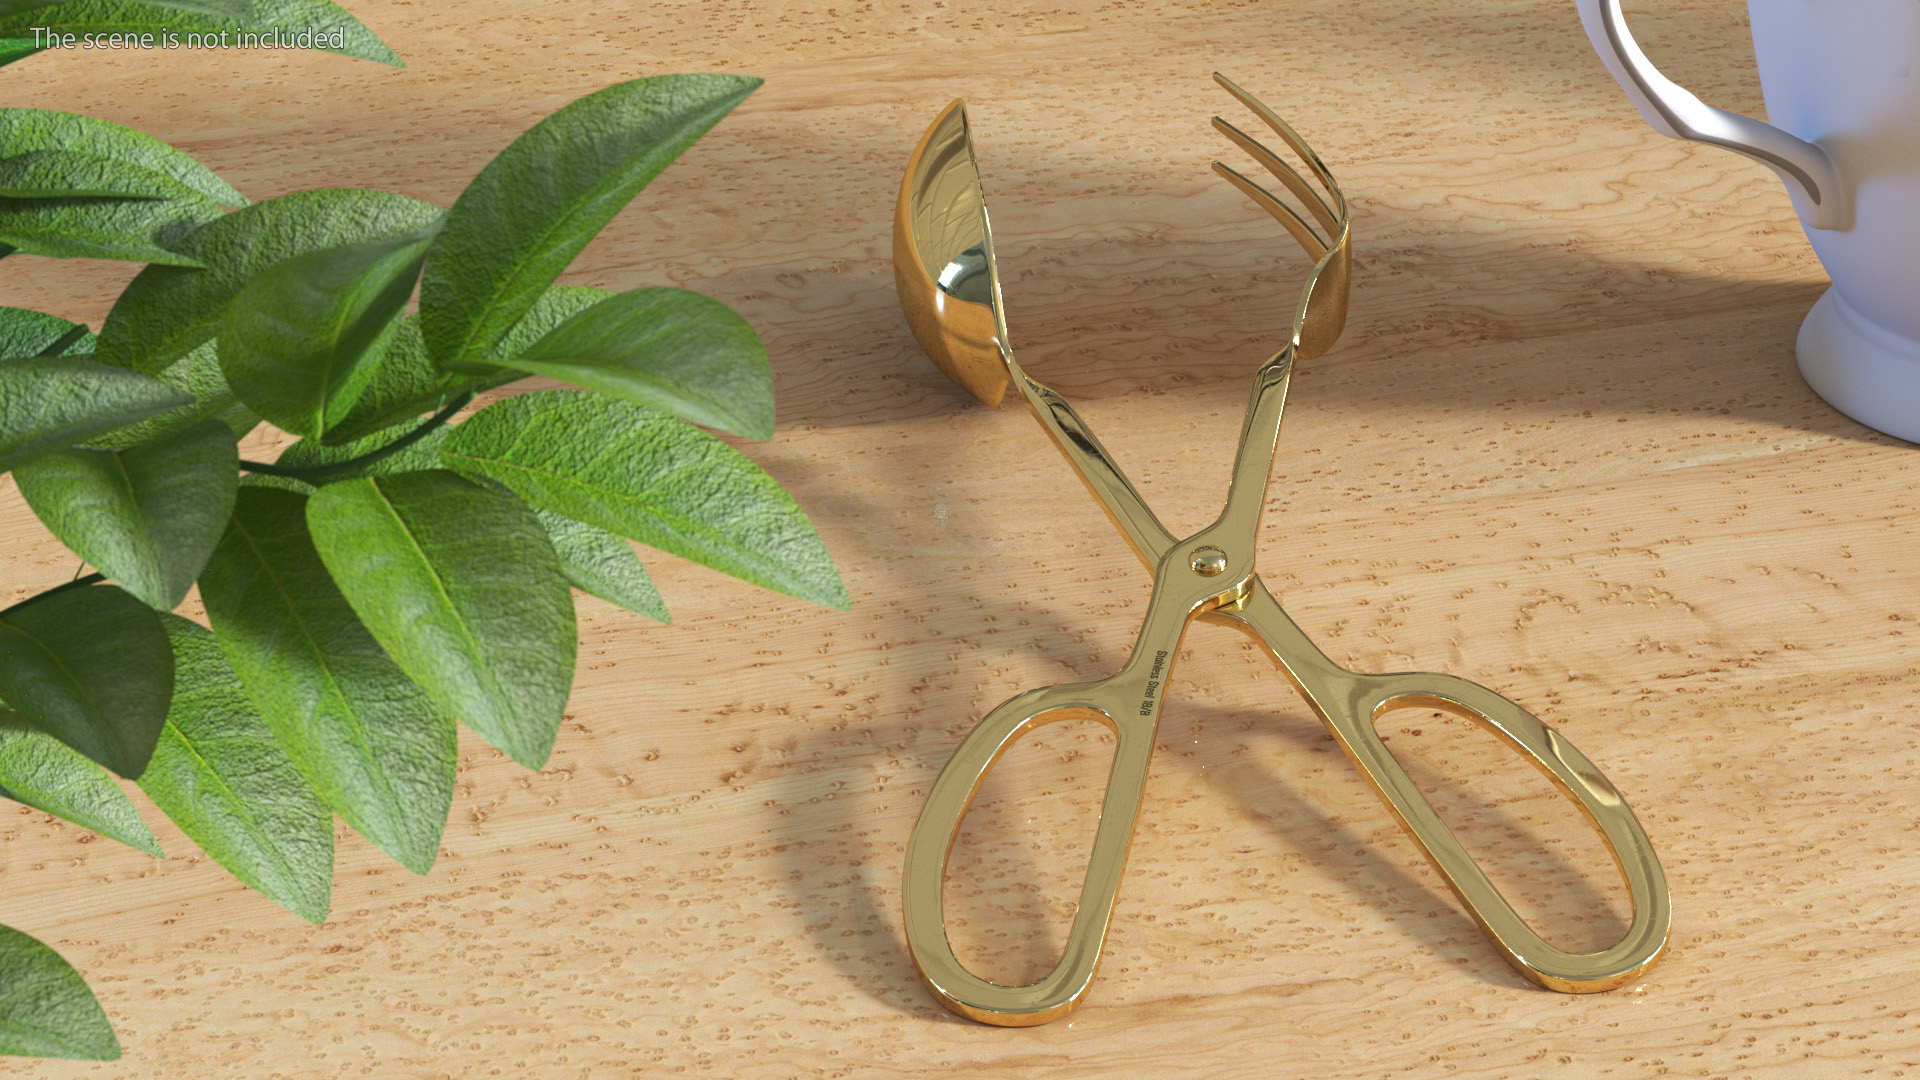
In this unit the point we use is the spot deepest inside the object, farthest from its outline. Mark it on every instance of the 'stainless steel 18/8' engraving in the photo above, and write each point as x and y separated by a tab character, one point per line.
1153	682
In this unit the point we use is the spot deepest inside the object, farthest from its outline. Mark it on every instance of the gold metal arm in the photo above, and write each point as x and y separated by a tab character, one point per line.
1351	704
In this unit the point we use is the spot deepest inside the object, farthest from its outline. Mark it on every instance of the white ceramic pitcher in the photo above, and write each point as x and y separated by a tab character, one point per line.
1841	80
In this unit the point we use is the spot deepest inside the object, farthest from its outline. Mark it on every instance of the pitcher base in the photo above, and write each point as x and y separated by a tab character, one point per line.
1871	375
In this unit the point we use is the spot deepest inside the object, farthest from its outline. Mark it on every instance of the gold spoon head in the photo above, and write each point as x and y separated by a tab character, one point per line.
943	260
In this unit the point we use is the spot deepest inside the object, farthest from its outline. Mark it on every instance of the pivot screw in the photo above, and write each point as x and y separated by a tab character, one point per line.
1208	561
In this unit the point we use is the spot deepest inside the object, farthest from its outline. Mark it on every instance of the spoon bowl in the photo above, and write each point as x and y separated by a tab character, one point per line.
943	260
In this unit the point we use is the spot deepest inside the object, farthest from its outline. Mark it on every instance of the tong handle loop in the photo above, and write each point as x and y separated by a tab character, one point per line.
1061	989
1352	716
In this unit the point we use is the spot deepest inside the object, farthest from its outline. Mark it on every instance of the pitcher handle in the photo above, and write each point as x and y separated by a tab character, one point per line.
1673	111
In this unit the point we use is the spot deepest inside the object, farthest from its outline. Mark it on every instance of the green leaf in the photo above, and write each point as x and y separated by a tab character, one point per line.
91	667
231	9
293	341
536	205
44	773
593	560
555	306
419	454
283	483
52	402
12	49
197	375
374	746
407	384
598	562
147	230
53	174
76	188
25	130
309	453
136	16
642	474
219	774
166	312
46	1009
76	341
297	15
674	350
147	517
24	332
461	586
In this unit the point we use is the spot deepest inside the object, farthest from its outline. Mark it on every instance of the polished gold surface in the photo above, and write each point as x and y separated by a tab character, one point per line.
943	259
950	292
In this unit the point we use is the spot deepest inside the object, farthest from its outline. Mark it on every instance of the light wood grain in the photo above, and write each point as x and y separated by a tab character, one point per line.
1562	450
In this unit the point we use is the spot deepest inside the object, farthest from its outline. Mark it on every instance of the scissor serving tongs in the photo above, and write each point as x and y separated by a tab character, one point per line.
950	291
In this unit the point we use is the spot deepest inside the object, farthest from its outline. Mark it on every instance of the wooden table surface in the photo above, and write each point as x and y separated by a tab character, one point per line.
1562	450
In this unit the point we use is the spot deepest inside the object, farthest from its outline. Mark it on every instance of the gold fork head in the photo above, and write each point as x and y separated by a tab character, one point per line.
1322	313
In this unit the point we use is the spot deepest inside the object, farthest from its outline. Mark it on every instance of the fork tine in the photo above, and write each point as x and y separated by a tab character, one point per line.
1284	214
1322	312
1293	139
1285	173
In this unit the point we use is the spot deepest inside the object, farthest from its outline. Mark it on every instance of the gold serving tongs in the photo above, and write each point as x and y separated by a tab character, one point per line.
950	291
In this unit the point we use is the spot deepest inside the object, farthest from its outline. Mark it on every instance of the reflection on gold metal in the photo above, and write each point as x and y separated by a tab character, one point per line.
943	262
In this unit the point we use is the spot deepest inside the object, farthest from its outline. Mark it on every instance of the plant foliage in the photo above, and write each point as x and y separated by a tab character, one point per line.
393	574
